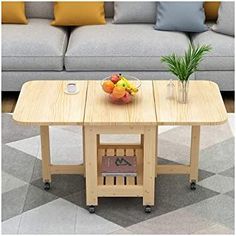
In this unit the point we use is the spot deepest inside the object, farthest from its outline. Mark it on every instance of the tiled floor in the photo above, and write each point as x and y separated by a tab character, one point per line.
28	209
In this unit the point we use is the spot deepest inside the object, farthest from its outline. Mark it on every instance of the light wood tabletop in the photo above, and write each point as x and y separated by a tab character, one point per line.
45	103
100	111
205	105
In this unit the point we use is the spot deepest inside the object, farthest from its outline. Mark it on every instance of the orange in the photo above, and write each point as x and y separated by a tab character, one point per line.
118	92
108	86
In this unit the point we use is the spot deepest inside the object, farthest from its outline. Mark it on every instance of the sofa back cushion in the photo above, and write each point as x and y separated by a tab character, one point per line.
45	10
42	10
109	9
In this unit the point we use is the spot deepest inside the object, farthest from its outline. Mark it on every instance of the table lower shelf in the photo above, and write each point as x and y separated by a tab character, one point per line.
123	186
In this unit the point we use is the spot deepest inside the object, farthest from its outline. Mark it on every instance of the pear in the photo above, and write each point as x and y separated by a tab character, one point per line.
131	87
121	83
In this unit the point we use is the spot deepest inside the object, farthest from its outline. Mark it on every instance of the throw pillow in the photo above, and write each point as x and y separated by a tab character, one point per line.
13	13
180	16
211	10
134	12
78	13
225	22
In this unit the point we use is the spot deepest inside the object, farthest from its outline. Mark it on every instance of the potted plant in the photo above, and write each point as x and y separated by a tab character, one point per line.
183	66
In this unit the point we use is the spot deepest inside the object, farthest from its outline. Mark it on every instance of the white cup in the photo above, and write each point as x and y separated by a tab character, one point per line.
71	88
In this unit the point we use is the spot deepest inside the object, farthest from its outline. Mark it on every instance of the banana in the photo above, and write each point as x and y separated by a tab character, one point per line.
131	87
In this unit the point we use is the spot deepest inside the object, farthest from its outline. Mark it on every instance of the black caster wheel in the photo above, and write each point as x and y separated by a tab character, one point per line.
46	186
193	185
91	209
148	209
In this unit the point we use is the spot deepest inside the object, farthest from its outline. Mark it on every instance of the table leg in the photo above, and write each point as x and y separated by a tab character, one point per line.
45	150
194	154
149	165
83	141
91	166
156	154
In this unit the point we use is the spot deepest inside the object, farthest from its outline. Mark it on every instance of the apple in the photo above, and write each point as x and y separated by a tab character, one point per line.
126	98
113	98
115	78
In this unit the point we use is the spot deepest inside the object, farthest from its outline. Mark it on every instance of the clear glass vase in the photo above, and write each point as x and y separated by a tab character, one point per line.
170	90
183	90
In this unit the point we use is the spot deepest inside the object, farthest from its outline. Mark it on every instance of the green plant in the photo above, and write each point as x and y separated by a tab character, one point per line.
184	66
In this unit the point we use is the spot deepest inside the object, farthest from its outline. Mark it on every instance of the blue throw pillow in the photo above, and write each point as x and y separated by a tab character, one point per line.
180	16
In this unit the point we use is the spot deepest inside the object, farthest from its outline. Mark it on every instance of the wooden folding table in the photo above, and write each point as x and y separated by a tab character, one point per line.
45	104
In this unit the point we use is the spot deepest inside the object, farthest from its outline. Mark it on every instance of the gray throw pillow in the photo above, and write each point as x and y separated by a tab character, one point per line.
225	21
180	16
134	12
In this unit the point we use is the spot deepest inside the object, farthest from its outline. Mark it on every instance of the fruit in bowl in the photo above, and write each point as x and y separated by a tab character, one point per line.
121	89
108	86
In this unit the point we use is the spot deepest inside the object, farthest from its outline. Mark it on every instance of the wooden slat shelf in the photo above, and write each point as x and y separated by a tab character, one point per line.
122	186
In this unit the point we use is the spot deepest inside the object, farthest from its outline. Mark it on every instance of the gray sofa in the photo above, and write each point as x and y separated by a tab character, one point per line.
39	51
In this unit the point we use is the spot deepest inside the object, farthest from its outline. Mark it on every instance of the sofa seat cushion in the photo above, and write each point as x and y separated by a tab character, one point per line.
35	46
221	56
121	47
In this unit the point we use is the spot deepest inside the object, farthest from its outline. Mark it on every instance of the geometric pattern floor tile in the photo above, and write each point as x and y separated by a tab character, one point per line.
37	171
13	132
173	151
9	182
216	229
11	225
65	146
210	135
180	221
175	189
29	145
36	197
203	174
229	172
92	223
13	202
231	122
122	231
56	217
218	183
63	185
171	193
230	193
17	163
217	209
229	222
29	209
218	157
